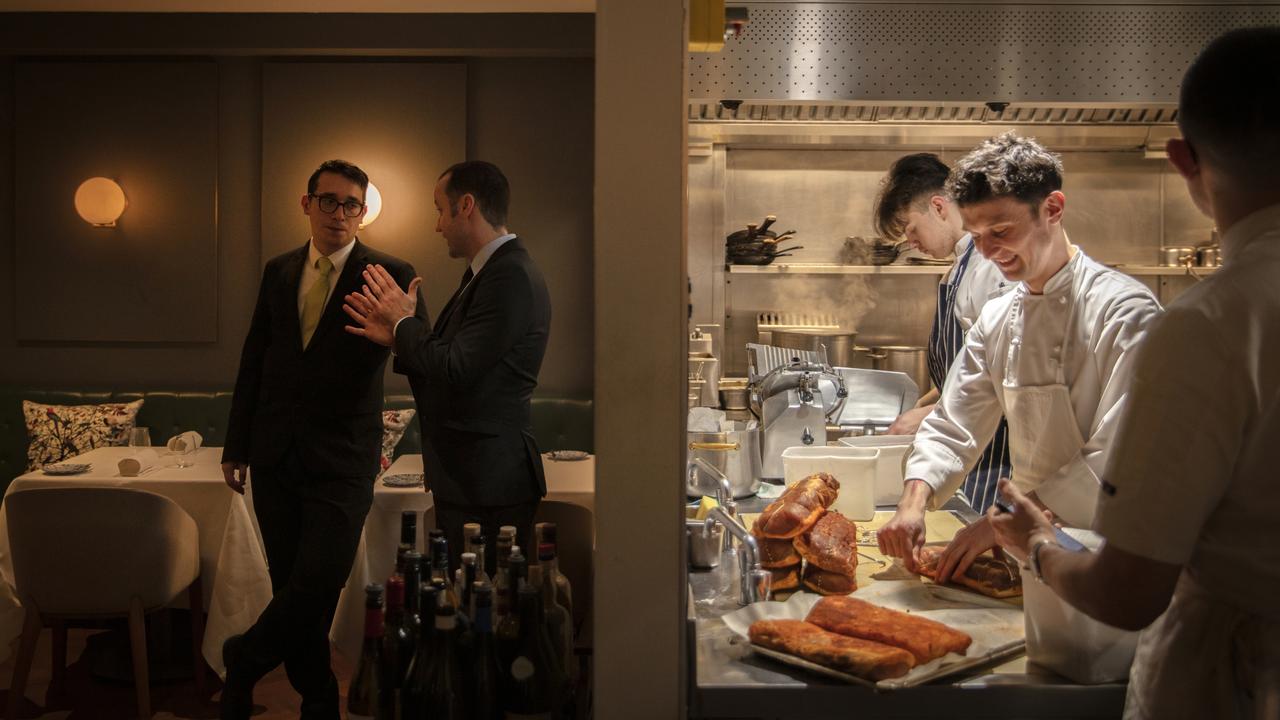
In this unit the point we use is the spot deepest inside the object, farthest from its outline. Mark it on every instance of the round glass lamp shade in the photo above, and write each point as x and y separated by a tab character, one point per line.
373	203
100	201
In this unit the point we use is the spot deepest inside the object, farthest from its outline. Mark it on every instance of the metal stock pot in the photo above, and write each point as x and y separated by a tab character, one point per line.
736	453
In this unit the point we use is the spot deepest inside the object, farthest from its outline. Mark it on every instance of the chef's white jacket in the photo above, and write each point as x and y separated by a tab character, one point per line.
1112	313
981	282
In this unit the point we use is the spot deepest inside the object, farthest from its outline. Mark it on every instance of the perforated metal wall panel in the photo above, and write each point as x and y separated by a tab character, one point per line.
964	52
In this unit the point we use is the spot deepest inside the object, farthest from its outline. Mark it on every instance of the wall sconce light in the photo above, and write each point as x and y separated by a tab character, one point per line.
372	201
100	201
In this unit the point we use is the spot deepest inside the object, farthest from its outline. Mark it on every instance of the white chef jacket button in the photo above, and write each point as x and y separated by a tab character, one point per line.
1057	348
1062	300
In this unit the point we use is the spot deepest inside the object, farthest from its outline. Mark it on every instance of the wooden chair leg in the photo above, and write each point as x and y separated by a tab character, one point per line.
138	646
196	600
31	628
58	674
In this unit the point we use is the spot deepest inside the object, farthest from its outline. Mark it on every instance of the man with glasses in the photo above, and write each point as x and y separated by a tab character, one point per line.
307	416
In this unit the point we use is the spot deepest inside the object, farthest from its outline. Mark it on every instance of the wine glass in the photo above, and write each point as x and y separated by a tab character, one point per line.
140	437
187	455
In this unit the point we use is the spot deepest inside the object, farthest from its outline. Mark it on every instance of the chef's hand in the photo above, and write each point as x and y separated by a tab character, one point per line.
234	474
903	536
1017	531
969	543
908	422
380	306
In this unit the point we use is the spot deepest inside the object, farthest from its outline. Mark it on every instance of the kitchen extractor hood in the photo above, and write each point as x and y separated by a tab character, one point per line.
1102	75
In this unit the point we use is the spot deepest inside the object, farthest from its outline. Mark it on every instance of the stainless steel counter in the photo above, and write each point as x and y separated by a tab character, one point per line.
728	681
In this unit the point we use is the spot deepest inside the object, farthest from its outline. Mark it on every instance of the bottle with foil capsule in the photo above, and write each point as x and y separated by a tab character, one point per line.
413	696
502	576
535	683
486	674
364	694
397	648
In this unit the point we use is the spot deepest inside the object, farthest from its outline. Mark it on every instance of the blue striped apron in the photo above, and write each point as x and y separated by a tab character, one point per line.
945	342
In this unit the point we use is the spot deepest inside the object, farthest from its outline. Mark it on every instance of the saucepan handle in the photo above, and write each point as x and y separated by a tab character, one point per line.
716	447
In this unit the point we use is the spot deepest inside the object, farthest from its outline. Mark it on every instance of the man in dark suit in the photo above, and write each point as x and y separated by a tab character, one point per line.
473	372
307	416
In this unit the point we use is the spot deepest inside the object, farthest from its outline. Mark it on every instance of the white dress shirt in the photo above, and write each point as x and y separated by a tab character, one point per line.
477	264
1112	312
1197	468
310	274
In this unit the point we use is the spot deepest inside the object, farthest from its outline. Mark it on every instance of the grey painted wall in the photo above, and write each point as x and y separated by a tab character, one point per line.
531	116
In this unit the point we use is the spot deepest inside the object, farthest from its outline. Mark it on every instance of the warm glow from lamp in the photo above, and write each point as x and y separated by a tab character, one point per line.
373	203
100	201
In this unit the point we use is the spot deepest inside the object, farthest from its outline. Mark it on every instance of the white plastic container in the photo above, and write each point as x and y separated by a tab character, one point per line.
892	465
855	468
1067	641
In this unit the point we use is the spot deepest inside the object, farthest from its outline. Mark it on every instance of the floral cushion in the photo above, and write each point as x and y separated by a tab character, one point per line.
57	432
394	423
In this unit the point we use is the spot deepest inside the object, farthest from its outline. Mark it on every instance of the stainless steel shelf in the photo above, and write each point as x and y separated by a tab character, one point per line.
836	269
1148	270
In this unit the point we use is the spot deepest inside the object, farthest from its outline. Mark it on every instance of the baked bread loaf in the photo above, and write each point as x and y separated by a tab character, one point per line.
831	544
784	579
798	508
866	659
824	582
989	575
925	639
776	553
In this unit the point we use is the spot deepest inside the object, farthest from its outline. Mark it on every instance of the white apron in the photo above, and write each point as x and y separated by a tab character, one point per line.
1043	433
1204	658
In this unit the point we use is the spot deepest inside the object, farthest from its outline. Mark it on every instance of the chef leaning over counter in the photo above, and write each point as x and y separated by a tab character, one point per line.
1054	356
1192	495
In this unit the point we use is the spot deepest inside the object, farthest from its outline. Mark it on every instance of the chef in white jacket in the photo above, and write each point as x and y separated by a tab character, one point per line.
1054	356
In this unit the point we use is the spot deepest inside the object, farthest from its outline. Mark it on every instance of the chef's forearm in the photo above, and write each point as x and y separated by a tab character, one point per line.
1092	581
915	495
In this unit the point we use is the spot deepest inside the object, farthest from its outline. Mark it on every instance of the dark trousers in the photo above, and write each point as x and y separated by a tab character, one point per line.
451	518
311	529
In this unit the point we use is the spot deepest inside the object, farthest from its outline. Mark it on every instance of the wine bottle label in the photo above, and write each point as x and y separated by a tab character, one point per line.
521	668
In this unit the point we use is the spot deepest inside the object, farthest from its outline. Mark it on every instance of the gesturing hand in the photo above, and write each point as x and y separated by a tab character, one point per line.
380	306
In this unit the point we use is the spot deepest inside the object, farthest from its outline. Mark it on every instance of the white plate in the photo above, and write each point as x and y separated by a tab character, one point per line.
402	480
568	455
66	468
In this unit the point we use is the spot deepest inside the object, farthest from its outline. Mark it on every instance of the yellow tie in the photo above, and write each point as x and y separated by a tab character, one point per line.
313	303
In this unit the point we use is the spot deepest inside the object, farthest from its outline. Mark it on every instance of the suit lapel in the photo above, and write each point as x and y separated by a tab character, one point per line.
292	277
459	299
348	281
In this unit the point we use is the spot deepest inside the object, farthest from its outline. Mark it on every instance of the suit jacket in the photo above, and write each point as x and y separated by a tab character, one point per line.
326	399
473	374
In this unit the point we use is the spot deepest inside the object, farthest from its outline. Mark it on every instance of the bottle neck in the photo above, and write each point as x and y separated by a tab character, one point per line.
373	627
484	619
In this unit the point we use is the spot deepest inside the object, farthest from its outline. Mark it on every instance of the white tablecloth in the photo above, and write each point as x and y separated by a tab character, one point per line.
232	566
567	481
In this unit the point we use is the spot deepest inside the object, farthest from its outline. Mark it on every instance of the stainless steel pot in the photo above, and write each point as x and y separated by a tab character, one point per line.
840	347
736	453
910	359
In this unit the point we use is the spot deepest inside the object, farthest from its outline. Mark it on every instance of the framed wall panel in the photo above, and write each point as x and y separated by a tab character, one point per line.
152	127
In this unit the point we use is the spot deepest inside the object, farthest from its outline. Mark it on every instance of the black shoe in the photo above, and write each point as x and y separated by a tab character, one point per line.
237	691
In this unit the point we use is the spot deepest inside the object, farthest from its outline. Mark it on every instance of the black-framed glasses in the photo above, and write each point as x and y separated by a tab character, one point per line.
328	204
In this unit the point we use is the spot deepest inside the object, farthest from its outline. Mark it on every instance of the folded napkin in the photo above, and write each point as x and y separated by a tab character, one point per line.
138	462
188	441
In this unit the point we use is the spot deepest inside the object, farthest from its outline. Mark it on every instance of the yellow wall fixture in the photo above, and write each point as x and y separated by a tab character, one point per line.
706	25
373	203
100	201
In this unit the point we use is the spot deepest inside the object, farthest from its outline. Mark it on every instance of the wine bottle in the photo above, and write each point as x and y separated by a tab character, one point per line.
413	696
535	683
363	695
468	579
502	577
564	591
397	649
486	673
440	568
412	595
559	621
508	630
476	544
446	697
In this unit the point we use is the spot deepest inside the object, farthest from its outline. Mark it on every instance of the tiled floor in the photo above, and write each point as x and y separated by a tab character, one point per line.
87	697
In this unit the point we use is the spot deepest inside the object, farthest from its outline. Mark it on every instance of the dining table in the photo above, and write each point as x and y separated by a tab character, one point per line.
233	567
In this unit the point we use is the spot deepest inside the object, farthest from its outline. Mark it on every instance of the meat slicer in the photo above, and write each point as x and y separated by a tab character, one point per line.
794	398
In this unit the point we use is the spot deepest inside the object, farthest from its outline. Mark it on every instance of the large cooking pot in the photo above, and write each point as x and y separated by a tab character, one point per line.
910	359
736	453
840	347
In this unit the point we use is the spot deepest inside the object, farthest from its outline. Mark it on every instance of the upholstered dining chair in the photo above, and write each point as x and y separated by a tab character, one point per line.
94	553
